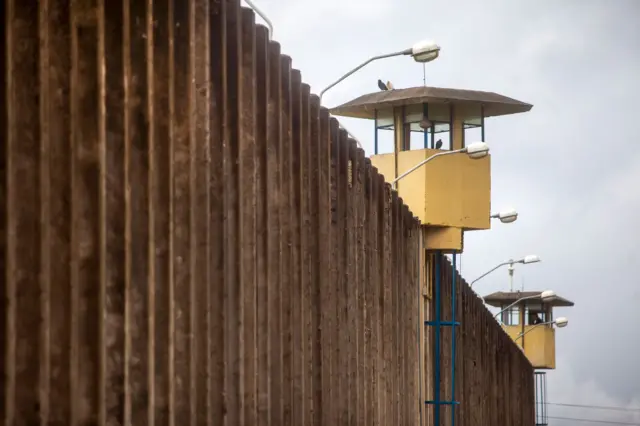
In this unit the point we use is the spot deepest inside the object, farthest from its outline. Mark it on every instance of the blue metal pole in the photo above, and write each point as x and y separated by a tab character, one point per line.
453	339
436	384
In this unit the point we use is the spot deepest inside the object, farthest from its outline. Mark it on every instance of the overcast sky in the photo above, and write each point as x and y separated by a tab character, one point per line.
571	166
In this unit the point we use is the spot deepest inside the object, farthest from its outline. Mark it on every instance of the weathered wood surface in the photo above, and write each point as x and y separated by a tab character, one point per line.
187	237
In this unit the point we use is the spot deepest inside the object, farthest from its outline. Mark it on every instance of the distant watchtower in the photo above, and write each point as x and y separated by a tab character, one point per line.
530	323
452	193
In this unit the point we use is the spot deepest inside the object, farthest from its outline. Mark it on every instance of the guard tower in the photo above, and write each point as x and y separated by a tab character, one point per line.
527	317
453	193
530	323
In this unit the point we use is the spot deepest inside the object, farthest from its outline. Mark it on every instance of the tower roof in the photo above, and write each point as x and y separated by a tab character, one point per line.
437	97
501	298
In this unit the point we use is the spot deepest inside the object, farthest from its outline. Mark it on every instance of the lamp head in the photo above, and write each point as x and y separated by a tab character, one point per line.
507	216
425	51
547	295
561	322
477	150
532	258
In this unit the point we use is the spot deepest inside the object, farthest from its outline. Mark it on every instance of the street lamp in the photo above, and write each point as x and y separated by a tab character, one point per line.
532	258
423	52
506	216
475	151
545	296
559	322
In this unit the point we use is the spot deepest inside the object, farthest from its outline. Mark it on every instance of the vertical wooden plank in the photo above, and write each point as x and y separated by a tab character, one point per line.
465	356
387	312
113	211
201	160
6	355
349	285
326	262
367	293
160	178
377	319
417	320
234	371
217	344
394	308
262	244
405	316
324	413
410	321
136	140
21	284
460	343
297	289
338	210
286	281
307	225
248	194
429	353
45	202
180	80
54	69
274	193
362	355
85	214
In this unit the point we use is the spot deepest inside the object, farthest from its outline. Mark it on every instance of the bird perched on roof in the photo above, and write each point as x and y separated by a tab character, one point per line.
382	86
389	85
439	144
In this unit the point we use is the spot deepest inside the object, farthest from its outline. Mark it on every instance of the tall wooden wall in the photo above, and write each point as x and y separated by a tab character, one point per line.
187	237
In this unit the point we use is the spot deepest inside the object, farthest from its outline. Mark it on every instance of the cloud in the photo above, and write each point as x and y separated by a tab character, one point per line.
570	389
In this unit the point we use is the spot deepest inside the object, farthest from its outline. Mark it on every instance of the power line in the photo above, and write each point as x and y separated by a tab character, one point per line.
605	422
599	407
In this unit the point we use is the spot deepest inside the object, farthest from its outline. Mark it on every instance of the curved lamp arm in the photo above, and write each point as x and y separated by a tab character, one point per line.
526	331
535	296
490	271
423	162
362	65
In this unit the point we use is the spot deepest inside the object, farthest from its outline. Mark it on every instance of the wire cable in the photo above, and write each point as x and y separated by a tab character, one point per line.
598	407
605	422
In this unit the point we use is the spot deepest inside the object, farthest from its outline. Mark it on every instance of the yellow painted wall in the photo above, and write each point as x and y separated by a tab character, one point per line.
446	239
539	344
450	191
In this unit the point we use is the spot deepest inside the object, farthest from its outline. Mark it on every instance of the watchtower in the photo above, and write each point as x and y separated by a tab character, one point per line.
528	319
453	193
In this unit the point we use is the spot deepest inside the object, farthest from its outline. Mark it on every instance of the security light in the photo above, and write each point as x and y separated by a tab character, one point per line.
561	322
532	258
506	216
547	295
477	150
424	51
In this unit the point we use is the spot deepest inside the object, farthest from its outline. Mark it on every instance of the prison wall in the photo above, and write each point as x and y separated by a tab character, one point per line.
187	236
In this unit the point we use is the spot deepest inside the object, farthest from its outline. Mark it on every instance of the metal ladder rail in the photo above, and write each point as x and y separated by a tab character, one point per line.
438	324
